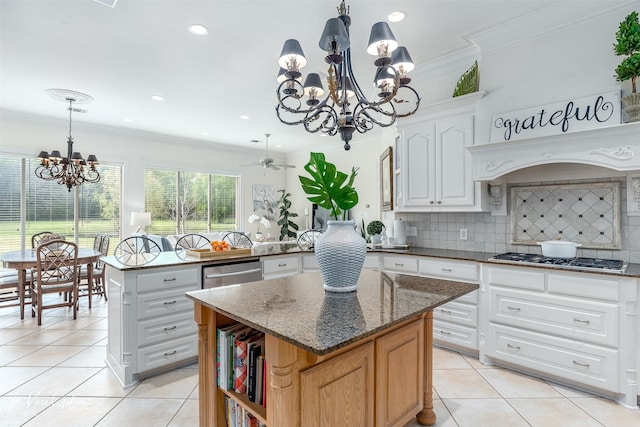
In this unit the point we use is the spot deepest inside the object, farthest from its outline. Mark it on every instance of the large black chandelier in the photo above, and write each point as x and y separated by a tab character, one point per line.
345	108
71	170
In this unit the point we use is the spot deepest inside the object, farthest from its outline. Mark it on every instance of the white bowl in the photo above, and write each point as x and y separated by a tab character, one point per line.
559	249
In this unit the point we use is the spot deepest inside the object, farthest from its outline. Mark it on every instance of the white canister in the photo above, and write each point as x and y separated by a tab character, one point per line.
399	232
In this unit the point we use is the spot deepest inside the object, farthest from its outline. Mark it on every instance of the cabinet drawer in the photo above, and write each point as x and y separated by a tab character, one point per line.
446	332
164	302
523	278
167	353
456	312
583	286
592	321
584	363
309	263
166	328
168	279
400	264
279	265
449	269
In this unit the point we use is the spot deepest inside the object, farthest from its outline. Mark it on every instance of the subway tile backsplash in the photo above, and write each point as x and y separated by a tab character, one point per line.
493	234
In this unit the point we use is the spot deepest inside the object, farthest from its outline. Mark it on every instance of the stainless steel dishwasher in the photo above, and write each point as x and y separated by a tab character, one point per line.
231	273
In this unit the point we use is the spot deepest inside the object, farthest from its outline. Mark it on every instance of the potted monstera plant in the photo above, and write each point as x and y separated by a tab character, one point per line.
628	45
340	250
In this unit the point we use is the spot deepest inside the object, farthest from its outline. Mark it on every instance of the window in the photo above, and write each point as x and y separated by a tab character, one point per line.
190	202
49	206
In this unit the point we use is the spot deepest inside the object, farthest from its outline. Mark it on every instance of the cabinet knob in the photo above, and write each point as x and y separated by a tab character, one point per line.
439	202
430	202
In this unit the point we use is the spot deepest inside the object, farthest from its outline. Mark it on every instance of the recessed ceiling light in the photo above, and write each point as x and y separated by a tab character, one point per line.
245	117
205	133
198	30
127	120
396	16
157	98
278	146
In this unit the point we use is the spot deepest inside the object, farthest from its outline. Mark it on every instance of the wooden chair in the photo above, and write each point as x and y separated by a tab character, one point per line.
43	236
190	242
100	244
56	272
9	295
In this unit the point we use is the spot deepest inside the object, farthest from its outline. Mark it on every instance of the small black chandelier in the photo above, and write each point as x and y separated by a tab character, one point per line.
71	170
303	104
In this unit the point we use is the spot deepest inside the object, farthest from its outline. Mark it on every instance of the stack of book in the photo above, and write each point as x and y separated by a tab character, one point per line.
237	416
241	366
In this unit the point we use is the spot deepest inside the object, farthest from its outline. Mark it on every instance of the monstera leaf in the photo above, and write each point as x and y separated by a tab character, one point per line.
468	82
328	187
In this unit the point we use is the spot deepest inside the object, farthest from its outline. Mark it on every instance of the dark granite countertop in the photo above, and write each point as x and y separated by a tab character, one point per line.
296	309
168	259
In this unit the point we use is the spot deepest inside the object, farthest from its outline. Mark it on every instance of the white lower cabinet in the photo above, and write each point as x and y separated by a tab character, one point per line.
150	322
569	326
455	324
276	266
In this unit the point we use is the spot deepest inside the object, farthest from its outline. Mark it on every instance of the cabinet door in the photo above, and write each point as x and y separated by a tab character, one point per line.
455	185
399	375
339	392
419	166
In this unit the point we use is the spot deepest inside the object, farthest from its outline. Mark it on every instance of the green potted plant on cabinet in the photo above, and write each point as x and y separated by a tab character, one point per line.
375	229
288	228
340	250
628	45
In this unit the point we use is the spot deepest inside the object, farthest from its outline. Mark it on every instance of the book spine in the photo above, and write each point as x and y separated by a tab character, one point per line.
219	334
240	371
251	369
265	366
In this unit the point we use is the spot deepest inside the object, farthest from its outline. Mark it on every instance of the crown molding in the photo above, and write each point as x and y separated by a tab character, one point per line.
554	17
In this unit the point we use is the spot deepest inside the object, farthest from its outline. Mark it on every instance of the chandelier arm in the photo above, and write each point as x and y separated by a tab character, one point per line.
417	101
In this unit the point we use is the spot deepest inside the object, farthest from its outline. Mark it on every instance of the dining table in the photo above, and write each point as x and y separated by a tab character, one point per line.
24	260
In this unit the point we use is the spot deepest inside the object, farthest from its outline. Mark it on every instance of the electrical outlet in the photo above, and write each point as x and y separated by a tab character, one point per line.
412	231
463	234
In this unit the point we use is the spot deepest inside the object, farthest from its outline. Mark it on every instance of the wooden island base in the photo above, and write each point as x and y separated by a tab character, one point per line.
382	380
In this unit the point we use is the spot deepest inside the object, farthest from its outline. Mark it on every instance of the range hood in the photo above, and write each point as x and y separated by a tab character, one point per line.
615	147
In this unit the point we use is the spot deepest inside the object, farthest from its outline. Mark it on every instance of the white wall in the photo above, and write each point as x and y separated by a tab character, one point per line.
28	135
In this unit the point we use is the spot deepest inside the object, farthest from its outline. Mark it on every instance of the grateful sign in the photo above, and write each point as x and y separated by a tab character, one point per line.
561	117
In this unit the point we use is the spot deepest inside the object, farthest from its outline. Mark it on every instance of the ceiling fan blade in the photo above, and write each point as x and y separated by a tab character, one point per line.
282	165
251	164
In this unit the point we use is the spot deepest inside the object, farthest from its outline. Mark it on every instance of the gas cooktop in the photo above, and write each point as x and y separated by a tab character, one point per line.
610	265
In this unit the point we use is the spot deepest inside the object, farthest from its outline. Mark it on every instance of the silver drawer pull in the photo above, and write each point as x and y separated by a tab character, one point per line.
515	347
582	365
170	280
170	353
170	302
282	265
513	308
446	270
445	333
445	311
586	322
399	265
170	328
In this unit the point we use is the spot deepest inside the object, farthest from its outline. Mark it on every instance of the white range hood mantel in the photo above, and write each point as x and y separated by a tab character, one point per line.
615	147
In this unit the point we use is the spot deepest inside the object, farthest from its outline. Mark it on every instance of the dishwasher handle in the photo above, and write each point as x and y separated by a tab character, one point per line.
234	273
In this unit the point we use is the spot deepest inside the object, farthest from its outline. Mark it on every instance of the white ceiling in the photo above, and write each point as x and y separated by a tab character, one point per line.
123	55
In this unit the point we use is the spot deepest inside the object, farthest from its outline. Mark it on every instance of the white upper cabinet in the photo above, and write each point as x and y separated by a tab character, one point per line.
434	169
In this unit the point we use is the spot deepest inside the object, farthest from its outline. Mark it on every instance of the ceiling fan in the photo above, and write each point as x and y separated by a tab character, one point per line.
266	161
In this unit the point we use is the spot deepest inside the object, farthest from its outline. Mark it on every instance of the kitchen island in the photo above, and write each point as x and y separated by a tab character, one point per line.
362	358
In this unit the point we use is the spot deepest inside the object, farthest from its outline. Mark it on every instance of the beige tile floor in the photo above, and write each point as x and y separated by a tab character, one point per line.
55	375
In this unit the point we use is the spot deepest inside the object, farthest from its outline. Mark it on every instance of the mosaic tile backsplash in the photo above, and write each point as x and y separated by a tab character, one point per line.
493	234
583	213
